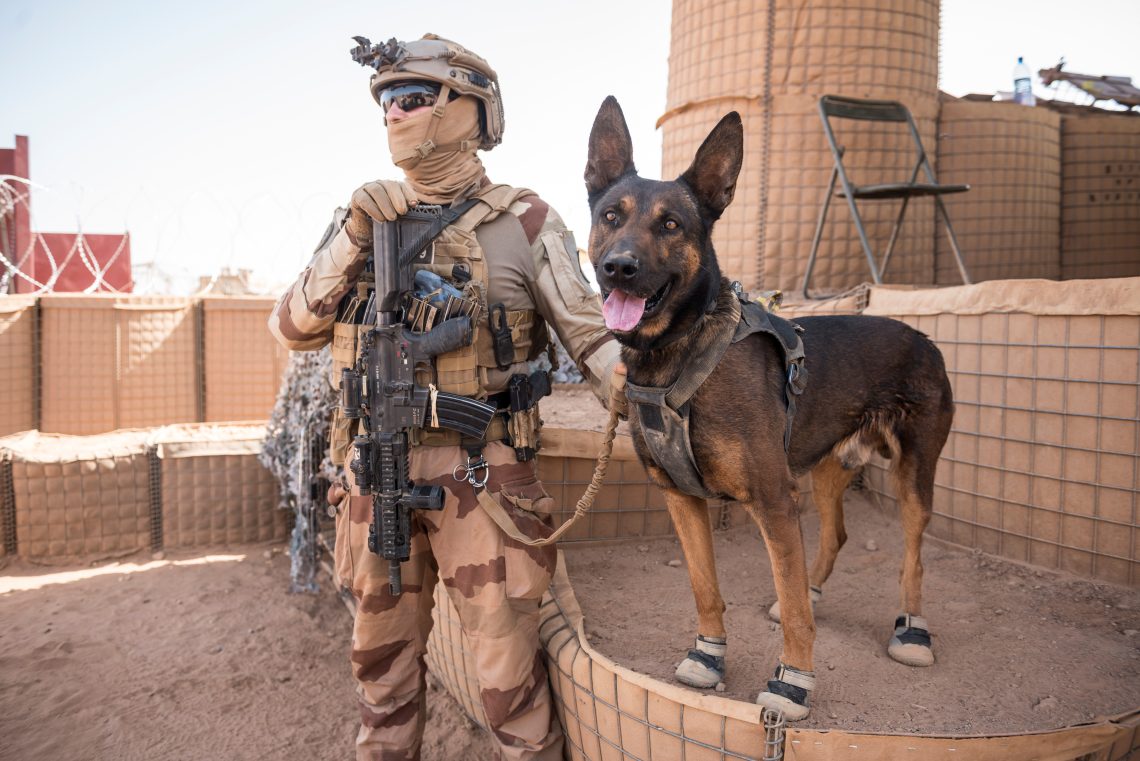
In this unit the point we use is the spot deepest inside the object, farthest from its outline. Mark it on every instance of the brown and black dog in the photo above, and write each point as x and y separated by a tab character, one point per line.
873	385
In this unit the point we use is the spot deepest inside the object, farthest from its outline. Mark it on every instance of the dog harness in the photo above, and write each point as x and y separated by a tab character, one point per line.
664	410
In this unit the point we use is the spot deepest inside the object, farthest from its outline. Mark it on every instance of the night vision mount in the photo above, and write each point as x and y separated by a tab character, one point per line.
377	56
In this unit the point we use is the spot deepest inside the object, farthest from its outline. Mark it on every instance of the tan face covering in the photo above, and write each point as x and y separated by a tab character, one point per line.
445	173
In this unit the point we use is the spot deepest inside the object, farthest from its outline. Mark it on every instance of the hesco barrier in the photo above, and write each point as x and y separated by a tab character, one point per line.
1009	224
1042	462
242	363
18	364
85	364
108	494
1100	206
610	713
771	62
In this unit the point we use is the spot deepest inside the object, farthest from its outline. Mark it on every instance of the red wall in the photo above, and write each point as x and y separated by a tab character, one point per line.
75	275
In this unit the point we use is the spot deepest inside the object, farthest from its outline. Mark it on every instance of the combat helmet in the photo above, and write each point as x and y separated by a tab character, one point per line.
448	64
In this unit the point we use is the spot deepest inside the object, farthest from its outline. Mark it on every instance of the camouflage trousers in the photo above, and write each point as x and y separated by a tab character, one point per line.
496	585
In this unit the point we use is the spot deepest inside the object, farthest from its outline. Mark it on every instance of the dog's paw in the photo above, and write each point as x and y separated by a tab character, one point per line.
703	667
788	692
815	593
911	643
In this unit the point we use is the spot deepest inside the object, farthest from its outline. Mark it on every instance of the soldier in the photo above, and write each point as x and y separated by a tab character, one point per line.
511	253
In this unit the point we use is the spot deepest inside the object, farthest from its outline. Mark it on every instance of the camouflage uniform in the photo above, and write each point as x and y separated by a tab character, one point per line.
494	582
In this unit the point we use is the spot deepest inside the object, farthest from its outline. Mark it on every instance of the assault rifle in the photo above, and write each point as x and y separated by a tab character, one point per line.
381	389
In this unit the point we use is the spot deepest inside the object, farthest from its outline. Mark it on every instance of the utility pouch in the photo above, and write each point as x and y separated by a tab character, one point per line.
524	424
502	343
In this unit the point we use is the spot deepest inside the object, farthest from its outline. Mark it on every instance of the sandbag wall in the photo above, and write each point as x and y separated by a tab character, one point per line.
109	494
1009	223
1100	205
85	364
772	62
1043	460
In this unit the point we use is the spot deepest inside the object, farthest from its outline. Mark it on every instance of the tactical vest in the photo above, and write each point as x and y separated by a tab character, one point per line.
457	257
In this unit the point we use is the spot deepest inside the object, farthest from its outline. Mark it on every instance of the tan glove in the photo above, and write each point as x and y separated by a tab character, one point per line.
383	201
618	399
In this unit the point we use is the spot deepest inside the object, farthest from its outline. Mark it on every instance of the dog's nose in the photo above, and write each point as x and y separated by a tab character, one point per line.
619	267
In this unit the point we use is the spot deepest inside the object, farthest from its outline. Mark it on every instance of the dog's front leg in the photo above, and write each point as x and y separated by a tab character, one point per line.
704	665
779	523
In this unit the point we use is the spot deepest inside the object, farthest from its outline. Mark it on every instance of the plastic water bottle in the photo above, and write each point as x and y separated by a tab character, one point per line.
1023	84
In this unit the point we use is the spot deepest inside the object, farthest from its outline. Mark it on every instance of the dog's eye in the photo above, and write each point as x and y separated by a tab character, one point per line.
670	224
611	216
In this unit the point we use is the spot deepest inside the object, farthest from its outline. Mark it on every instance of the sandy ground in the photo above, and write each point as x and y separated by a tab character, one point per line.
202	655
1017	648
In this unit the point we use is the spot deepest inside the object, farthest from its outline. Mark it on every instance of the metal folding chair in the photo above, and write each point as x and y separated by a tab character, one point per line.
834	106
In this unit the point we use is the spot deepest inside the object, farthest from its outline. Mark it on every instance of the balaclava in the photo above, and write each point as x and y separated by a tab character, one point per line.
452	170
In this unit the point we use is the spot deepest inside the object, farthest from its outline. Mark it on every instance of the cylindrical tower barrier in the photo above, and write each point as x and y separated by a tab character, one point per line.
1009	224
772	62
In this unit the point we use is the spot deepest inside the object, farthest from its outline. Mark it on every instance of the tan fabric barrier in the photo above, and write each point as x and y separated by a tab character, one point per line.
77	495
1009	224
727	56
611	712
117	362
214	490
1100	203
1042	464
87	364
242	363
18	364
136	489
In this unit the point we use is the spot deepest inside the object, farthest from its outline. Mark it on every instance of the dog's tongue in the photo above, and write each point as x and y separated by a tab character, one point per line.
622	311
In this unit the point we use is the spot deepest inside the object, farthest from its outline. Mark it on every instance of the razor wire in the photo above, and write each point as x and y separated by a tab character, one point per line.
198	244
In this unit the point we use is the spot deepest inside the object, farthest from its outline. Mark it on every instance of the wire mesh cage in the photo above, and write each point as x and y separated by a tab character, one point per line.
1042	462
771	63
1009	224
1100	202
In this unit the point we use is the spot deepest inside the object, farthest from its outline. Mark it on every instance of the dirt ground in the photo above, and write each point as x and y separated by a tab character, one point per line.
201	655
1017	648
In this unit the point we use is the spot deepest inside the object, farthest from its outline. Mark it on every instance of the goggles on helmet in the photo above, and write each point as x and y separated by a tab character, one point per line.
410	96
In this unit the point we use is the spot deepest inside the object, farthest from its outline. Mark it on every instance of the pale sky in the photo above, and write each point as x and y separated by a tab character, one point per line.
224	133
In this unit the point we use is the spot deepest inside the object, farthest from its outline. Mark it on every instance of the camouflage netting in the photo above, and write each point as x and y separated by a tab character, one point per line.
295	452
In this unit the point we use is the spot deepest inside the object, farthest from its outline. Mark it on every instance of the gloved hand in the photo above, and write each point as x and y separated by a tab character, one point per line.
383	201
617	391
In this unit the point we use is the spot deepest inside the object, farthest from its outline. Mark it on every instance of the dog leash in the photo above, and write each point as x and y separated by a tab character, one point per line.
499	515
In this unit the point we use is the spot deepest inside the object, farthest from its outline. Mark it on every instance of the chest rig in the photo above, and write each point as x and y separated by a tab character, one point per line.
663	411
501	337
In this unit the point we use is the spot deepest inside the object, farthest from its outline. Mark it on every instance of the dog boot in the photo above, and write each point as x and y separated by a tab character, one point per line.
704	665
788	692
815	593
911	643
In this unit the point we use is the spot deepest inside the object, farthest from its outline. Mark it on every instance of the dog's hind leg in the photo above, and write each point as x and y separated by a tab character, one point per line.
779	523
914	487
704	666
829	480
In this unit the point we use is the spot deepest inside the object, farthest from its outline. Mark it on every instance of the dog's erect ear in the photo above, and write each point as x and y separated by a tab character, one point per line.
712	175
611	149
